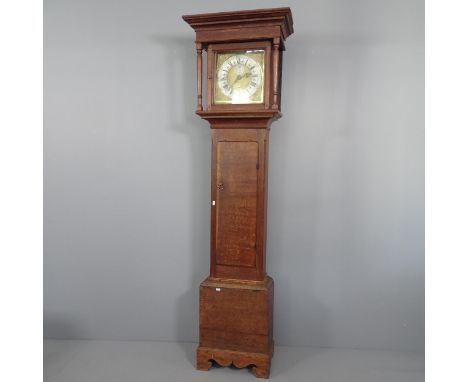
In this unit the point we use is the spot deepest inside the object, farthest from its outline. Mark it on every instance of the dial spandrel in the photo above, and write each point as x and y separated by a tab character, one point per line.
239	77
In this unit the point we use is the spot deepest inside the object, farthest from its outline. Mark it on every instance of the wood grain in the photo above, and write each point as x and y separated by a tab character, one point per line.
199	76
259	364
238	232
236	209
236	323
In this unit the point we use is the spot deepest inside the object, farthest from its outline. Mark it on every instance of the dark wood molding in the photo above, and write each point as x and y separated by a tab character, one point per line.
236	119
271	17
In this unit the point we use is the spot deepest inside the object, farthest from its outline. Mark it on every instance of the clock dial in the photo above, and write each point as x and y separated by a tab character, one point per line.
239	77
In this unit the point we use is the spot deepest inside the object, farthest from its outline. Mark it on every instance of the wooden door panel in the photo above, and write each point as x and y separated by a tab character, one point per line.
236	217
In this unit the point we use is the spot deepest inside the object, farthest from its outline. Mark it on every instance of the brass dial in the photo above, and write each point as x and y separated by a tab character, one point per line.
239	77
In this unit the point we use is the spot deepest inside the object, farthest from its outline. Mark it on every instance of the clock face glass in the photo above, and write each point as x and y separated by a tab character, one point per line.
239	77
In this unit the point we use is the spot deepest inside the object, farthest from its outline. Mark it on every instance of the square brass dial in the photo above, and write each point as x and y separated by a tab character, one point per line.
239	77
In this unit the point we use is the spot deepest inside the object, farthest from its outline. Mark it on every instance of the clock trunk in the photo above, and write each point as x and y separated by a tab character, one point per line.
238	205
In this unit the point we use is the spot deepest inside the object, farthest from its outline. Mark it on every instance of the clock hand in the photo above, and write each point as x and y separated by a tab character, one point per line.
239	77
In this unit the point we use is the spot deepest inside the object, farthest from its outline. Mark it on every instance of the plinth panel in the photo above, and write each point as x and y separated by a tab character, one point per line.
236	319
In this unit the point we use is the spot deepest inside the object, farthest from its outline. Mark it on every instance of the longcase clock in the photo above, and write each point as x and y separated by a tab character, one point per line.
242	97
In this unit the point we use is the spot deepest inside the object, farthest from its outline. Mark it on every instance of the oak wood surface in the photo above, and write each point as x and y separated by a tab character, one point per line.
238	232
258	363
199	76
236	325
236	212
263	20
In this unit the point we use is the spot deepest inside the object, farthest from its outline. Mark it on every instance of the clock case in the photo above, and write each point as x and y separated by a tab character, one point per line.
236	300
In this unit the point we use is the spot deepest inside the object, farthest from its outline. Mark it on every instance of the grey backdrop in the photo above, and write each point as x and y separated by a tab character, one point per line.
127	173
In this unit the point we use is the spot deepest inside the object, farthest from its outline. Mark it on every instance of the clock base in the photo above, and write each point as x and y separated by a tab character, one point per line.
236	324
258	363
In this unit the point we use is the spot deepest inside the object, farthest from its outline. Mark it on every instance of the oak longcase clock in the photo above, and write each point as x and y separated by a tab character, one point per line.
240	99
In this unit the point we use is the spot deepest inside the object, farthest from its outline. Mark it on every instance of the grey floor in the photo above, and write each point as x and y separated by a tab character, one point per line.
134	361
